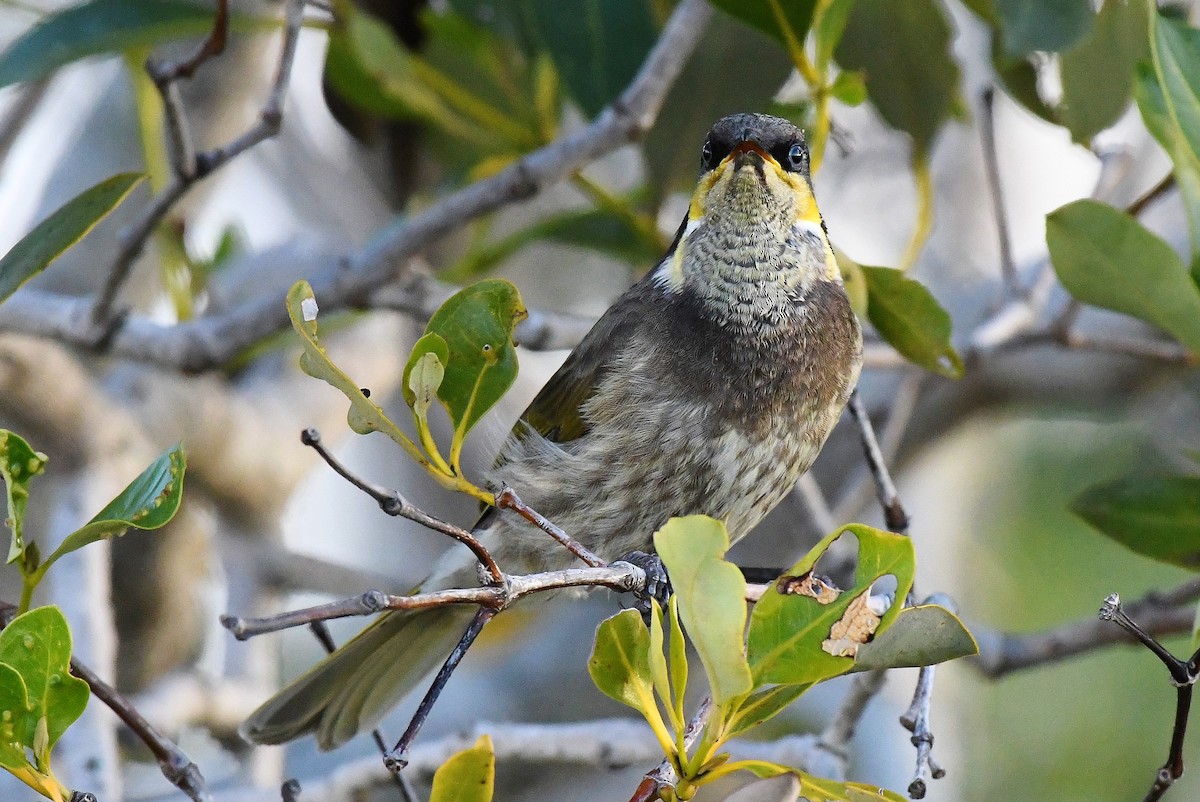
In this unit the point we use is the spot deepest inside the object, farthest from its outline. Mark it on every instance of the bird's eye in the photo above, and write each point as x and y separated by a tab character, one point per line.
706	155
797	156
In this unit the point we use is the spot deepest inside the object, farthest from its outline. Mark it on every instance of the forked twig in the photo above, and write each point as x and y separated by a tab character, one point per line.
1183	676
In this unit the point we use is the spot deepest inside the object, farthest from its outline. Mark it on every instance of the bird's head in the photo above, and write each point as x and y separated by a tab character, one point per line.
752	217
754	168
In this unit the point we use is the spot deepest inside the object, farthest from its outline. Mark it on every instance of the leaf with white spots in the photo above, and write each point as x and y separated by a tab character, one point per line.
149	502
19	463
37	646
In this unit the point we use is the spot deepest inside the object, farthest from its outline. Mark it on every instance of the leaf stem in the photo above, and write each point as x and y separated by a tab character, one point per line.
924	183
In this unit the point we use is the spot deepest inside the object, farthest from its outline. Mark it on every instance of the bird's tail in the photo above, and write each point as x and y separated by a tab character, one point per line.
353	688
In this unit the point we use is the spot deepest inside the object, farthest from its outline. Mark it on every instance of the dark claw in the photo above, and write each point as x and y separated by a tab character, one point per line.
658	584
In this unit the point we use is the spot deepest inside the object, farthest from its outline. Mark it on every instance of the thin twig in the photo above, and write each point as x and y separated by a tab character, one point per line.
1183	677
664	775
1165	185
987	131
507	499
391	502
916	721
894	515
175	765
212	46
397	759
133	240
324	637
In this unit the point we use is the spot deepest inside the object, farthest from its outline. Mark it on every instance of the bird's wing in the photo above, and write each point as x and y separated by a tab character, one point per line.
555	412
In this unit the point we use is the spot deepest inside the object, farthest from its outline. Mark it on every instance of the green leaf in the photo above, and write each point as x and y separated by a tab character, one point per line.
907	315
148	502
620	662
469	776
1019	77
1098	71
787	630
1168	96
1049	25
369	67
707	90
1155	516
903	49
920	636
62	229
15	718
37	645
712	599
761	706
597	45
1106	258
107	26
759	14
18	465
477	323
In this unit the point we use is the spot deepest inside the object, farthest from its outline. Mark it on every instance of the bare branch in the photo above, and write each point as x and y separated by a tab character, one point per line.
133	240
176	766
210	342
622	577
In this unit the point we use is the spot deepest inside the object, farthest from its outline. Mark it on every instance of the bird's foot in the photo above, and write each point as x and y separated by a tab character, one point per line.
658	584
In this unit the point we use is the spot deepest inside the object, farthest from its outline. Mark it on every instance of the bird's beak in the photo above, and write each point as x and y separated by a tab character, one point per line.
750	153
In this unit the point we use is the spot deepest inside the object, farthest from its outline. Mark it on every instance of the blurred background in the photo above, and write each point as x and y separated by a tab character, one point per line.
394	106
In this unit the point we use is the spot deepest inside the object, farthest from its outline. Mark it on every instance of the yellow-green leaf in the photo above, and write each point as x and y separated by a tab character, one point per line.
424	372
761	706
620	662
37	645
469	776
712	599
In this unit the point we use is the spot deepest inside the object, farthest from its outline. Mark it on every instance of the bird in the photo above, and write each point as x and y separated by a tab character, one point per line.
709	387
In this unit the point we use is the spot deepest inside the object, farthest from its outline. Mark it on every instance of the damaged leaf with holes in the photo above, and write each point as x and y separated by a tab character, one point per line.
788	629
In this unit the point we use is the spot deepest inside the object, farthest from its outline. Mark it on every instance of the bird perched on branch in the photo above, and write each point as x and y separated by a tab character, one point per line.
709	387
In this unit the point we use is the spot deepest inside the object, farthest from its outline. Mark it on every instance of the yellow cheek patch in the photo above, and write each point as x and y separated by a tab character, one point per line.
696	210
806	204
